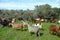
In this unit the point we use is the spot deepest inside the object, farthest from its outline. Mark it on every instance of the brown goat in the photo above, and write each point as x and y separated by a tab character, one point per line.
54	29
18	26
37	20
53	20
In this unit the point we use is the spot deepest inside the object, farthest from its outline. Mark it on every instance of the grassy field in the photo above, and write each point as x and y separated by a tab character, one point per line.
9	33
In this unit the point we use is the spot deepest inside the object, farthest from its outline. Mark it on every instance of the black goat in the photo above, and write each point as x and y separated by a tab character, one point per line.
4	22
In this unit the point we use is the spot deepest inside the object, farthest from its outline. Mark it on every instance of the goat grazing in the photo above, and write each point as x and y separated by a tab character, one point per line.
20	18
58	21
18	26
54	29
13	20
37	20
4	22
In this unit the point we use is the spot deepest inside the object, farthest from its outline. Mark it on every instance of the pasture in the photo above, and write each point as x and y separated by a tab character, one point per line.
8	33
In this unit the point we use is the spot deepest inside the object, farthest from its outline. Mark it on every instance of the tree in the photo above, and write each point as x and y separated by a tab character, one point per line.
57	12
43	11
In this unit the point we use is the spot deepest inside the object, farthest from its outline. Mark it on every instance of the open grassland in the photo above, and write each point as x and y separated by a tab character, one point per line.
9	33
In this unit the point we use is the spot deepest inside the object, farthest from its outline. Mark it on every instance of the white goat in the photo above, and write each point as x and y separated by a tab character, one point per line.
33	28
13	20
39	25
58	21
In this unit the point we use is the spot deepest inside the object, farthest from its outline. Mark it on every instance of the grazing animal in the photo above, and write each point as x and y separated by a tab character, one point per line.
53	20
54	29
17	26
37	20
39	25
34	29
58	21
13	20
20	18
4	22
46	20
42	20
10	20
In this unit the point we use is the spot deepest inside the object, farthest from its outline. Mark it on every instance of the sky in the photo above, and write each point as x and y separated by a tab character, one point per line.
26	4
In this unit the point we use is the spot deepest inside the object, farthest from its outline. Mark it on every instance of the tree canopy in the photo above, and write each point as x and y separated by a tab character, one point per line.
40	11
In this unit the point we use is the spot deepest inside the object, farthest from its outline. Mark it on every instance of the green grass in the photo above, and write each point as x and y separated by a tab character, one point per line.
9	33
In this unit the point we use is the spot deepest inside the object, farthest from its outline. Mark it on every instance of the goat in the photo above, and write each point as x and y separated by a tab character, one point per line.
54	29
4	22
20	18
53	20
13	20
18	26
10	20
34	29
58	21
37	20
42	20
39	25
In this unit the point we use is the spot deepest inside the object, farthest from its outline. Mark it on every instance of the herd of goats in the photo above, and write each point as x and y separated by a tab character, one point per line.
53	29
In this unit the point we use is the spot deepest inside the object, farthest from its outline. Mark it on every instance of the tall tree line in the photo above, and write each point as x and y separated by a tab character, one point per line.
40	11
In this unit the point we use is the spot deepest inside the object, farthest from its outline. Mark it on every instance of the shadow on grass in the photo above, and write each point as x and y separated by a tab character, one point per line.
22	29
25	29
41	34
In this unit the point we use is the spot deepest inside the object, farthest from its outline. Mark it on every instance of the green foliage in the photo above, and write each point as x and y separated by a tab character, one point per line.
40	11
43	11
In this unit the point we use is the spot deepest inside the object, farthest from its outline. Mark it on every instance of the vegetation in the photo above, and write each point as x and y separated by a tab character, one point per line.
40	11
9	33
